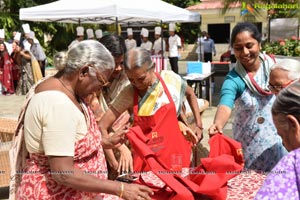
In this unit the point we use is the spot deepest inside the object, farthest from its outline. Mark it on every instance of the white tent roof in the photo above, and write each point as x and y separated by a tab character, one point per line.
108	11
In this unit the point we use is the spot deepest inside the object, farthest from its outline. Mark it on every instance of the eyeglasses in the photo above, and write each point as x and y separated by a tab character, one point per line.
279	87
99	76
102	81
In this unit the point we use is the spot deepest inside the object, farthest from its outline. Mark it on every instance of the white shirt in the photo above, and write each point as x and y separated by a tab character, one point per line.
157	46
174	43
53	124
130	44
147	45
72	43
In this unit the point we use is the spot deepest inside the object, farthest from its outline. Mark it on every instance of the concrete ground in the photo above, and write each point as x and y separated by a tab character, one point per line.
10	107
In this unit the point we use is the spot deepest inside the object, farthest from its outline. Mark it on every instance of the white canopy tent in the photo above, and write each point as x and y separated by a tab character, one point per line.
108	12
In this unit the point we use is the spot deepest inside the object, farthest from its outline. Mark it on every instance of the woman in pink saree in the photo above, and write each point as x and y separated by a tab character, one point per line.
64	158
6	77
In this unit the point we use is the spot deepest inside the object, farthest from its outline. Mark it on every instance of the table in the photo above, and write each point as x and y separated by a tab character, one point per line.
201	80
243	186
220	68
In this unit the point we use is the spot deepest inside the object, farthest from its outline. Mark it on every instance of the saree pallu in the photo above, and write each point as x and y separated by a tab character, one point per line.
36	70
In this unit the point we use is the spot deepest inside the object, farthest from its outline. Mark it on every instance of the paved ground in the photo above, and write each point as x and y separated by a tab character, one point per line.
10	107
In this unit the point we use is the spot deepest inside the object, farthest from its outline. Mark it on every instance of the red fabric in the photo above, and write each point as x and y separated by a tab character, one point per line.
208	180
6	76
159	168
221	144
162	133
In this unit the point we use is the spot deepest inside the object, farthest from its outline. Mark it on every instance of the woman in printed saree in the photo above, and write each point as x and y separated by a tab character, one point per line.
65	158
6	76
27	76
100	102
283	181
155	101
245	90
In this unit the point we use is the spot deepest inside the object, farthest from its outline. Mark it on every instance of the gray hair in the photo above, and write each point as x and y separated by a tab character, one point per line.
137	57
292	66
288	101
84	53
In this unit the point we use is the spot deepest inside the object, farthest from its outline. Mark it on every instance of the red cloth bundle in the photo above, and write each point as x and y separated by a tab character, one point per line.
207	180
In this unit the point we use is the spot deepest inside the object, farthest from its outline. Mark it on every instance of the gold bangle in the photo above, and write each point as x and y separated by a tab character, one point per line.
122	190
199	127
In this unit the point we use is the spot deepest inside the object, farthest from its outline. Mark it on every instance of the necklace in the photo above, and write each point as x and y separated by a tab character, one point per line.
70	91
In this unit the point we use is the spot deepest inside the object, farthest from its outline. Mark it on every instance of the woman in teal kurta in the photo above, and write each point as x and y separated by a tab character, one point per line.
245	89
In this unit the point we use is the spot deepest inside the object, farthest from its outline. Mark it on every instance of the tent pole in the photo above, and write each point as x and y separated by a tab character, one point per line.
117	27
162	45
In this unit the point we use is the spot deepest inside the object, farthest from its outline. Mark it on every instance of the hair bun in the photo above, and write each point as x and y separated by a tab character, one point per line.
60	60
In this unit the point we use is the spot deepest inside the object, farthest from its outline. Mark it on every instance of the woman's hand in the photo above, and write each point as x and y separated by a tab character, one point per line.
126	161
114	140
214	129
188	133
136	192
199	133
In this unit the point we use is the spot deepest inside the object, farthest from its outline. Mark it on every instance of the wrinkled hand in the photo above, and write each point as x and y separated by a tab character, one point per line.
214	129
126	161
188	133
113	163
199	133
115	139
136	192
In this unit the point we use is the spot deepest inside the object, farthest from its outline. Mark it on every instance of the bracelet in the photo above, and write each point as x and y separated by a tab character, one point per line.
122	190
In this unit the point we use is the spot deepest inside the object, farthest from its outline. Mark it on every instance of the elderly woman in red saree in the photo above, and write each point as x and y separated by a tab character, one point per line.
155	101
63	152
6	77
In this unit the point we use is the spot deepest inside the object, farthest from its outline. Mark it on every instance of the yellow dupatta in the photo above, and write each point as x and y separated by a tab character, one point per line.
155	97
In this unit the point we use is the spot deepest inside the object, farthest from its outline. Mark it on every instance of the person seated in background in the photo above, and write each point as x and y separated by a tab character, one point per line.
282	74
284	181
225	56
154	109
64	147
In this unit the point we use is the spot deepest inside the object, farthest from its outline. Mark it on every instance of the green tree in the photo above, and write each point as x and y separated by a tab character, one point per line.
9	19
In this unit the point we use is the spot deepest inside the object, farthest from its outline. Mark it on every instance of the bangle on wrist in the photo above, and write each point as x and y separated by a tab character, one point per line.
200	127
121	190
